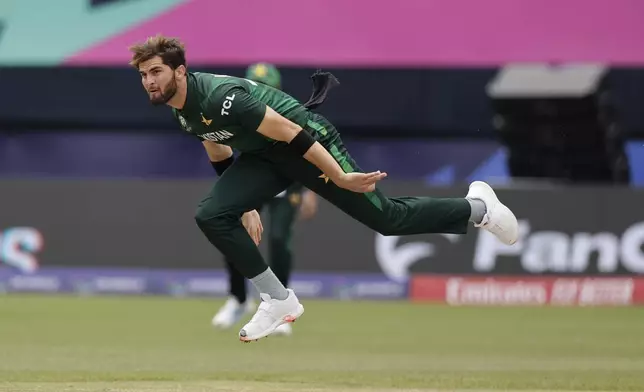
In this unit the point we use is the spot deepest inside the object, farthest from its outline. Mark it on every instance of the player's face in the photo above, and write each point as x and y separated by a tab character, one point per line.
158	79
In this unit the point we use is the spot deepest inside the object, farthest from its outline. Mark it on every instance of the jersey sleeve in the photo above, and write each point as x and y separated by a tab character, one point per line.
231	105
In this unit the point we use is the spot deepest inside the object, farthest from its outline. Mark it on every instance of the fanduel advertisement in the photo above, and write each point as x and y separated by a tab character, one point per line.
563	231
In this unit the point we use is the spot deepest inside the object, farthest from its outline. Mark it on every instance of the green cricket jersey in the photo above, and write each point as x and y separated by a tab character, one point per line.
228	110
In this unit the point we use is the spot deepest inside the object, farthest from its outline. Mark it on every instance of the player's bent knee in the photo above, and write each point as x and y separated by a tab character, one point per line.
215	219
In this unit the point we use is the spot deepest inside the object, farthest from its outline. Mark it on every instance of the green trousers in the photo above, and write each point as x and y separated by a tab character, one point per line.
254	179
282	213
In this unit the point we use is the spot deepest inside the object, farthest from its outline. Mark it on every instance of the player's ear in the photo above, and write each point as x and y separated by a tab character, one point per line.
180	71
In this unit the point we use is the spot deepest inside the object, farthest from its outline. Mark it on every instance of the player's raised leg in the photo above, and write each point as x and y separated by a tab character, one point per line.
250	182
402	215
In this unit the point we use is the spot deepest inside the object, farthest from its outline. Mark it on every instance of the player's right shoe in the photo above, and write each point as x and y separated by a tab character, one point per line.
270	314
231	312
498	219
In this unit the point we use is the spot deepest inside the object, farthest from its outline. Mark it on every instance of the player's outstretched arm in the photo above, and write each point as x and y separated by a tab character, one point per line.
234	106
282	129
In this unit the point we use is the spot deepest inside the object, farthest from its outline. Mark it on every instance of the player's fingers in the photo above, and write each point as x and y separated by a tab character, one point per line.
375	176
368	176
373	179
380	176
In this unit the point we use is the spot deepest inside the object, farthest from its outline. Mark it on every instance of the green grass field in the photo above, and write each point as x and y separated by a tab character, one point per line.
156	344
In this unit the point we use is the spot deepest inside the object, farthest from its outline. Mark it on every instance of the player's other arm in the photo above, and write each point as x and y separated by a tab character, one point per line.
220	156
277	127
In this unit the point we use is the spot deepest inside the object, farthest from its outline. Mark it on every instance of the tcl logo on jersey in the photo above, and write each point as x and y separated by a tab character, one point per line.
228	103
18	247
556	251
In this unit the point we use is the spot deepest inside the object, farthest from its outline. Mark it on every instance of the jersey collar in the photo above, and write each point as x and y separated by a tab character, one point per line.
192	99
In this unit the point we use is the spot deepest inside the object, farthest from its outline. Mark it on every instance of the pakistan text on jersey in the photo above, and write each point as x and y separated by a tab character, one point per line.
217	136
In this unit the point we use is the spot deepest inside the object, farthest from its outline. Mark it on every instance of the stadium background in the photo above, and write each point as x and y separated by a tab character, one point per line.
98	188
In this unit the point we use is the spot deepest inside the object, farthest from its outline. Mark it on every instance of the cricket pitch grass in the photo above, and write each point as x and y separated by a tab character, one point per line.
123	344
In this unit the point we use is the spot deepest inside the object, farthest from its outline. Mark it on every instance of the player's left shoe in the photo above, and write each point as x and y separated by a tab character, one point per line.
270	314
232	312
499	219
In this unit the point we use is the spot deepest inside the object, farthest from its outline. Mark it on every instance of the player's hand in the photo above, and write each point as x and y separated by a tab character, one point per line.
360	182
253	225
309	206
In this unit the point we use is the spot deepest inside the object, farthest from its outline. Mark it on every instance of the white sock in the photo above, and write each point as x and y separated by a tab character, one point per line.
267	282
478	210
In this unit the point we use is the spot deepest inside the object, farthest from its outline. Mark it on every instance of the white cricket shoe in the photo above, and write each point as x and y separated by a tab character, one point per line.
231	312
284	330
270	314
498	220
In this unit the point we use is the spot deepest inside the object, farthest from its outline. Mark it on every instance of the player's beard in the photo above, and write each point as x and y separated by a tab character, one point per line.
166	93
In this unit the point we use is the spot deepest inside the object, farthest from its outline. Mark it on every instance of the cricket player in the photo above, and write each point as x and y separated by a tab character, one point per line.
281	142
284	208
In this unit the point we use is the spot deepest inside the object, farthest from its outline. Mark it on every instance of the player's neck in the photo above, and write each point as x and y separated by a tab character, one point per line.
178	101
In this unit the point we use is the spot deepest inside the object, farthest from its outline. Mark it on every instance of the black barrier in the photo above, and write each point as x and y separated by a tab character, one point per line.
149	224
369	102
